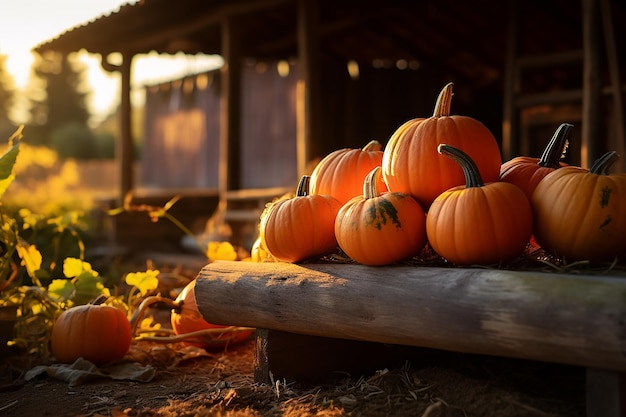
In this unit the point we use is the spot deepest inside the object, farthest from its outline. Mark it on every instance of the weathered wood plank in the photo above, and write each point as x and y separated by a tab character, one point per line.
577	320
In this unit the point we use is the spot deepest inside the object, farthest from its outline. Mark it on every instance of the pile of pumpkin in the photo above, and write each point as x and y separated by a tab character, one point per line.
441	181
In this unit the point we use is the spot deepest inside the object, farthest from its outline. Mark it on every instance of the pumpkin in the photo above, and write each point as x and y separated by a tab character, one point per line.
340	174
380	228
301	227
258	253
186	318
412	165
580	214
97	332
478	223
526	172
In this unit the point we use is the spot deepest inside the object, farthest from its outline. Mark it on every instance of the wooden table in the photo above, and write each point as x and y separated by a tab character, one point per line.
570	319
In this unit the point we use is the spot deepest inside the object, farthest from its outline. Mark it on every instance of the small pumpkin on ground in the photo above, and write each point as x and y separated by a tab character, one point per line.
478	223
301	227
380	228
340	174
97	332
580	214
526	172
411	164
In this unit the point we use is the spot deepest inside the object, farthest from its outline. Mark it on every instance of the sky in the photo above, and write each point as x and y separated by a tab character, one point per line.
26	23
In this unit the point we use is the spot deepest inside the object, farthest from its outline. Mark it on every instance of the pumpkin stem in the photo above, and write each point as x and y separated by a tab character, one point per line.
303	186
99	300
372	146
470	170
444	101
370	185
556	148
602	164
145	304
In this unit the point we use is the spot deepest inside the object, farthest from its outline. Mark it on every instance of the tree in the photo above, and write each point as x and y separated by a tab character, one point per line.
57	97
7	92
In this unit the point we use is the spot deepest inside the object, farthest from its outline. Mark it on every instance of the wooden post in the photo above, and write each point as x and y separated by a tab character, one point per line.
510	122
126	153
569	319
124	146
230	108
593	144
309	84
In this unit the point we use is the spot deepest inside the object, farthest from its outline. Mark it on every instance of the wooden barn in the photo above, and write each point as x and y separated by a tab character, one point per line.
305	77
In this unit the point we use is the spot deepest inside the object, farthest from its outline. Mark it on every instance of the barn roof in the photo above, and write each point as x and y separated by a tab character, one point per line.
467	39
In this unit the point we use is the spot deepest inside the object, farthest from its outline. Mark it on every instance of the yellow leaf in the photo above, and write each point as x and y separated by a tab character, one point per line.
144	281
222	251
73	267
31	258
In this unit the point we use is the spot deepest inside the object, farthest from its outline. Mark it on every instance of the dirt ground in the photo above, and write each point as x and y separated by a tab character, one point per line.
192	382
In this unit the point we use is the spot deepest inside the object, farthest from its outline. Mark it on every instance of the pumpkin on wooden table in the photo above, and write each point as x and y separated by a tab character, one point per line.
580	214
526	172
379	228
478	223
301	227
97	332
411	164
340	174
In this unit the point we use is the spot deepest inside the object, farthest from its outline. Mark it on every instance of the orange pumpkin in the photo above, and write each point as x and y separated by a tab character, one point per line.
98	333
380	228
580	214
301	227
478	223
411	164
526	172
186	318
340	174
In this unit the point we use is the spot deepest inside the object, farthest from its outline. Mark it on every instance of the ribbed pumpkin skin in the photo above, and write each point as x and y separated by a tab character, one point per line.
412	165
381	230
188	319
97	333
340	174
480	225
299	228
526	172
580	215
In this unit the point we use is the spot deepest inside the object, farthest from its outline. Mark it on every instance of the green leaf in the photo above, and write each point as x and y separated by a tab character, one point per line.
7	161
62	289
144	281
88	287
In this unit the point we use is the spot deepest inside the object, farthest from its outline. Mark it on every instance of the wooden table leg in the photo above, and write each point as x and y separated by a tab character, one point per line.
606	393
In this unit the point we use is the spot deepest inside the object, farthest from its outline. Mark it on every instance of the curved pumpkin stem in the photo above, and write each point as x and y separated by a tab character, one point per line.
444	101
557	146
602	164
372	146
303	186
472	175
370	184
146	303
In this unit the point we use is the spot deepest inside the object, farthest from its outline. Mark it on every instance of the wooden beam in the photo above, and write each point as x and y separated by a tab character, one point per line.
560	318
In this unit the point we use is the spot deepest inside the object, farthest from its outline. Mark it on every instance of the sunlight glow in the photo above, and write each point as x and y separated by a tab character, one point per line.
26	23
